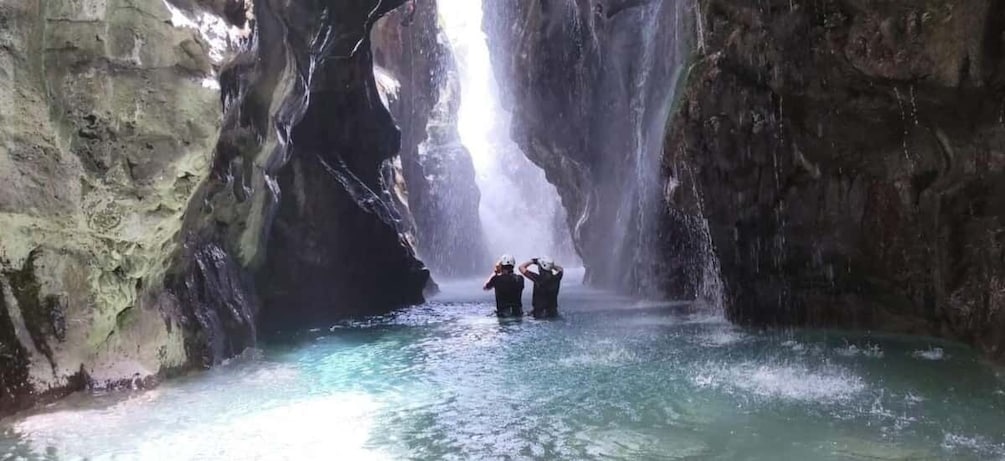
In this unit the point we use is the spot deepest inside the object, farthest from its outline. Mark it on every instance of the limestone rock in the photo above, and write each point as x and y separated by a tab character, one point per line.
176	182
104	133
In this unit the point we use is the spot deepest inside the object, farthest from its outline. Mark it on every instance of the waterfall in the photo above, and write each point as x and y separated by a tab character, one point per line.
643	84
520	211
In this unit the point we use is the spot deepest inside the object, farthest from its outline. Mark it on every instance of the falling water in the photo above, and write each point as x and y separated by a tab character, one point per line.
657	33
519	210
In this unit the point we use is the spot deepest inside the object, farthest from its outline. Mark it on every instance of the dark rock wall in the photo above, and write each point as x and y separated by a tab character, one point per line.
440	176
218	307
850	157
301	191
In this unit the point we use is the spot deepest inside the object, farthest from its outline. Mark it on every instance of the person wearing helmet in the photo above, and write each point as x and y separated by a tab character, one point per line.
547	280
508	286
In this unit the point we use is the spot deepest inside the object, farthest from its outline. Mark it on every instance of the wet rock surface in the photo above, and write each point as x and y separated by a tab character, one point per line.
301	191
178	186
414	56
590	85
850	157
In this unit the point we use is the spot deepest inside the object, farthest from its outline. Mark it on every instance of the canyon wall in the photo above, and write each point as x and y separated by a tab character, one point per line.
850	157
301	191
107	122
413	56
825	163
181	178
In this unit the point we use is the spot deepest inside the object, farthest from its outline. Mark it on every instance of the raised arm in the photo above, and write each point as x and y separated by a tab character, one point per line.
525	266
490	283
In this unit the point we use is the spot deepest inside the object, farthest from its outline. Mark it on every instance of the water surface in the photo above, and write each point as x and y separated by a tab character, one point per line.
613	379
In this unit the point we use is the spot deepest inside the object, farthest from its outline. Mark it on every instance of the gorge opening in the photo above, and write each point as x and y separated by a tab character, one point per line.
520	211
288	265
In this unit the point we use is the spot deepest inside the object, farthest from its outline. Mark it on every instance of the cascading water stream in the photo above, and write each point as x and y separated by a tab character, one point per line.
647	77
519	210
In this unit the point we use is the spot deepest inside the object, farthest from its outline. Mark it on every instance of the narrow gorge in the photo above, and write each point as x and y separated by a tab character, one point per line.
291	202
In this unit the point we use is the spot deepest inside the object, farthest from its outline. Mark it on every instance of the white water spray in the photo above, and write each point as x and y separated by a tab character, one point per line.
519	209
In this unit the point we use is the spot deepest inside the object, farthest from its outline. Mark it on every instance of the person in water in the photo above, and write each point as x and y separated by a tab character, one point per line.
547	281
508	286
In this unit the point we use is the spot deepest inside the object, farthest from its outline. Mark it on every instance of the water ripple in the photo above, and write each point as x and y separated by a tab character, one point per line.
449	381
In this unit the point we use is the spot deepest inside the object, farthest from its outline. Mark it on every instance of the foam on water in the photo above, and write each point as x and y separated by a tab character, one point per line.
974	444
720	337
787	381
932	353
608	380
851	350
339	423
601	354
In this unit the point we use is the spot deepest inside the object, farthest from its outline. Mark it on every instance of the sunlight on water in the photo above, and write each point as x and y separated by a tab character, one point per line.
612	379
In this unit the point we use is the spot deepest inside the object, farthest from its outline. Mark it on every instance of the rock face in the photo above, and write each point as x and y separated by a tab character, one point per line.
836	163
337	246
105	132
852	164
300	196
414	56
145	227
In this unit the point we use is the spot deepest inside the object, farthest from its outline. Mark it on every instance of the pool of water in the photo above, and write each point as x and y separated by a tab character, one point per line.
613	378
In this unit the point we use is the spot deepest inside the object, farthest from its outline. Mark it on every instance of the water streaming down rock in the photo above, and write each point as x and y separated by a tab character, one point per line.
592	84
815	223
438	173
850	156
520	211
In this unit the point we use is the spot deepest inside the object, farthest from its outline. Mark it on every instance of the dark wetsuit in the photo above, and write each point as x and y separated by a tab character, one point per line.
546	285
509	291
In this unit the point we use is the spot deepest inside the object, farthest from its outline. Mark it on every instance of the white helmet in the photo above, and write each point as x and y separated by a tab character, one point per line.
545	263
507	260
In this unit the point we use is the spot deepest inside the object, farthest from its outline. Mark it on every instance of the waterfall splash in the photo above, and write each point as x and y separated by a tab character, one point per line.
519	210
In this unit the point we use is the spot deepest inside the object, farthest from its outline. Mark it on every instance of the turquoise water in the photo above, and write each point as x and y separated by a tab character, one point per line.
613	379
